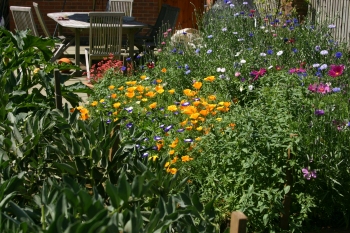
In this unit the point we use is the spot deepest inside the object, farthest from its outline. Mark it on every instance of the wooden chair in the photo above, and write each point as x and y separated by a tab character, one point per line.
66	41
23	18
167	17
121	6
105	37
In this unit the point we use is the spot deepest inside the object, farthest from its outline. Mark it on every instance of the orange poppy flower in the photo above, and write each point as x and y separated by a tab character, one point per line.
197	85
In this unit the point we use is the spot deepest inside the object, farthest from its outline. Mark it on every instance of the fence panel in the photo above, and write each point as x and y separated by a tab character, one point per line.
336	12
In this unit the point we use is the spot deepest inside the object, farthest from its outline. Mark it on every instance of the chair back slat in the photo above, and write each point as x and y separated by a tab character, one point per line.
121	6
41	21
105	33
23	18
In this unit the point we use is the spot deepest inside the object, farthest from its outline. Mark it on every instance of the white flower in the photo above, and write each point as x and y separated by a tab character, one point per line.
270	67
129	109
324	52
232	6
241	89
263	54
237	54
138	102
235	33
243	61
323	67
262	27
331	26
279	53
315	65
329	84
224	29
240	39
222	70
250	87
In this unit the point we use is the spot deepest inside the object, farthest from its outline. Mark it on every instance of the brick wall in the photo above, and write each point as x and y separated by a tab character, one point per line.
145	11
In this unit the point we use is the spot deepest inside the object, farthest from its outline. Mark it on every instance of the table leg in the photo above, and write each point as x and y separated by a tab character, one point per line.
77	47
131	39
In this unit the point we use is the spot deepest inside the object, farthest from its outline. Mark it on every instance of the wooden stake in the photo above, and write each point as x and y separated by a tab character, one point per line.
238	222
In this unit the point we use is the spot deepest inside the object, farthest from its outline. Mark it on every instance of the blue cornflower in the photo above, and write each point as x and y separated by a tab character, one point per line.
138	56
295	50
317	48
209	51
129	125
336	89
198	50
187	72
181	52
270	52
187	67
338	55
210	36
123	68
128	59
174	50
251	34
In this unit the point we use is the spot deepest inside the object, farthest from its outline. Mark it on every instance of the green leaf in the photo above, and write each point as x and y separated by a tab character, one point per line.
112	192
286	189
65	168
196	202
124	188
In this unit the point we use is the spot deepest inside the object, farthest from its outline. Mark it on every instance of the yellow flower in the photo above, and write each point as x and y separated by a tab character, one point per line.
172	108
201	118
36	70
115	119
212	97
159	80
93	104
121	88
219	119
194	116
102	100
150	94
186	158
172	170
84	111
172	91
189	92
204	112
79	107
115	113
111	87
189	128
116	105
84	117
143	77
159	89
130	94
164	70
154	158
198	139
196	103
131	89
130	83
227	104
171	152
113	96
153	105
140	88
167	164
197	85
183	123
200	128
144	99
210	78
174	160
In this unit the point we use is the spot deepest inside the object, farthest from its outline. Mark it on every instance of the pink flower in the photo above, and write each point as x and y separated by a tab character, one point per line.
258	74
319	88
308	174
237	74
336	70
297	70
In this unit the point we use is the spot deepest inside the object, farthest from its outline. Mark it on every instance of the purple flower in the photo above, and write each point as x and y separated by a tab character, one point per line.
108	121
168	128
198	50
187	72
129	125
161	126
185	104
317	48
128	59
270	52
157	138
188	140
123	68
323	67
210	36
308	174
145	154
209	51
319	112
180	130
